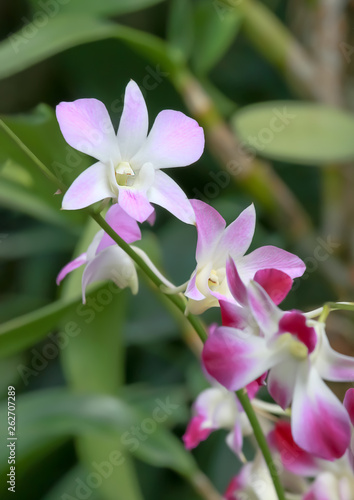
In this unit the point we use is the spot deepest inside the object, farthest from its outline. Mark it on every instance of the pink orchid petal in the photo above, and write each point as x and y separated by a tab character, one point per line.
270	257
235	358
210	226
87	127
233	315
174	141
332	365
325	487
235	438
295	322
152	218
320	423
281	382
135	203
114	264
133	126
293	458
74	264
195	432
166	193
91	186
238	236
236	285
125	226
192	291
265	312
253	388
276	283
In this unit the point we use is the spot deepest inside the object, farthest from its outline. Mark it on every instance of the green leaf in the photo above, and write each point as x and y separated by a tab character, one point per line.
213	34
180	27
35	240
16	197
21	51
96	8
57	413
297	132
24	331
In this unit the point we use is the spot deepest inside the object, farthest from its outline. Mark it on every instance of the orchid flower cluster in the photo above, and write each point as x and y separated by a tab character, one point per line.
257	344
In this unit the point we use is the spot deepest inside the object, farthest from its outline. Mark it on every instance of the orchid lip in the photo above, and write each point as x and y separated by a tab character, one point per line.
124	174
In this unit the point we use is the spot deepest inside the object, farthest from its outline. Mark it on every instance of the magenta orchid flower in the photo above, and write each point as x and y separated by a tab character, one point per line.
216	242
129	164
334	480
298	356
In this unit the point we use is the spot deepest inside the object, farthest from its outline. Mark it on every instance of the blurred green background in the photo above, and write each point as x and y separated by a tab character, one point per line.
87	375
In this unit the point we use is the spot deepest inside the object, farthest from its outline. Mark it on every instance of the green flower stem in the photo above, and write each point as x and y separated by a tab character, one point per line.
197	325
261	440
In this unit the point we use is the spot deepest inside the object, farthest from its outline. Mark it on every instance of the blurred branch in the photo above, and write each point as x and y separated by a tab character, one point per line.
276	43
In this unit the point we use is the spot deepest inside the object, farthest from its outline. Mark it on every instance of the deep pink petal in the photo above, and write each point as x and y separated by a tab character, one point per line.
91	186
281	382
238	236
236	285
270	257
135	203
276	283
133	126
125	226
174	141
74	264
233	315
320	423
235	358
210	226
349	404
166	193
293	458
195	432
332	365
294	322
87	127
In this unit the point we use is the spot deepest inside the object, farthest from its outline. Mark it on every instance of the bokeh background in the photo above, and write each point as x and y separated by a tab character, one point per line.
85	376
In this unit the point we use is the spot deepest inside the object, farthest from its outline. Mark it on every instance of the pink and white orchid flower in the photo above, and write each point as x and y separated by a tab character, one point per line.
217	408
216	242
129	163
298	356
104	259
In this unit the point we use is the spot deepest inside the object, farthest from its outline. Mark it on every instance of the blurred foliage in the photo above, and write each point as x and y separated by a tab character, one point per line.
75	401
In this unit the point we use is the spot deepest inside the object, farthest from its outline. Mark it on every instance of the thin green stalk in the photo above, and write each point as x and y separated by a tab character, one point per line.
262	442
32	156
175	299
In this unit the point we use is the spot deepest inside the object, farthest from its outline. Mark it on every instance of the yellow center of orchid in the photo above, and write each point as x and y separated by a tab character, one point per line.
213	278
297	348
124	173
